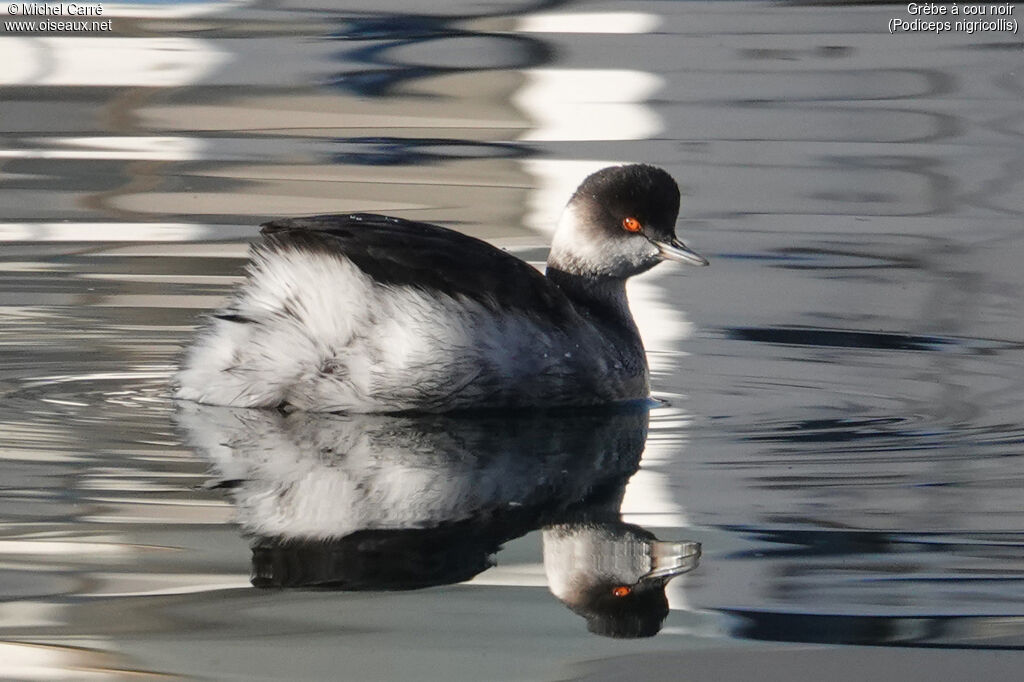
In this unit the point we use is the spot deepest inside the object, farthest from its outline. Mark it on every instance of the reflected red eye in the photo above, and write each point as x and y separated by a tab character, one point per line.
621	591
631	224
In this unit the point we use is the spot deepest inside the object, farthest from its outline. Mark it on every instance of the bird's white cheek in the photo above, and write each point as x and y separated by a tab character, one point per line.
573	241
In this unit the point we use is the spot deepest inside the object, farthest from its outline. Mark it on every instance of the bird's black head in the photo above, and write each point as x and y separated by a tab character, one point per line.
643	193
624	612
621	222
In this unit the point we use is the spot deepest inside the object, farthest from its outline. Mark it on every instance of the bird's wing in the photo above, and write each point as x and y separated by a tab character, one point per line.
402	252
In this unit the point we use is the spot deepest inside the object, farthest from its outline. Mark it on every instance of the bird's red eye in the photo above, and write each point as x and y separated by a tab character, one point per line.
621	591
631	224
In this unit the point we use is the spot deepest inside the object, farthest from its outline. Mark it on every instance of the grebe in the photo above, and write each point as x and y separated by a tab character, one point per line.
368	313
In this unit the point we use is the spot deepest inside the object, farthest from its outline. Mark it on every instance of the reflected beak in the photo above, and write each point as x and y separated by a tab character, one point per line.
678	251
670	559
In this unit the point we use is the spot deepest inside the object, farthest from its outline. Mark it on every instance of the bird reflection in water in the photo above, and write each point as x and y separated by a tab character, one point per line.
399	502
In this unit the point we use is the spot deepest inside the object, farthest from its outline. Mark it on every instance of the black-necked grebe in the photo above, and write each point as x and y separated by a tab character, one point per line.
367	313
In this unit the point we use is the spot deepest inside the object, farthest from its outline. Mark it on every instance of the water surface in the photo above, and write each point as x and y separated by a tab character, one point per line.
840	425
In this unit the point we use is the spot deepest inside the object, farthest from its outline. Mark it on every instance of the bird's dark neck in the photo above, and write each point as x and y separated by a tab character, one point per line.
603	299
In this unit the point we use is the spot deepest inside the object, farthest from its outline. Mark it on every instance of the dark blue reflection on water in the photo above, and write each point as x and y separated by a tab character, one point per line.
839	338
927	630
392	70
410	26
402	48
399	151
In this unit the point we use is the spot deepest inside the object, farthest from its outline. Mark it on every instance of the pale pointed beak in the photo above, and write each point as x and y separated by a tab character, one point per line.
678	251
669	559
